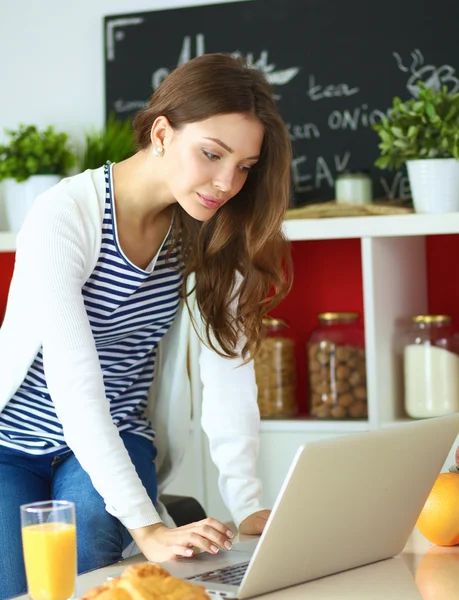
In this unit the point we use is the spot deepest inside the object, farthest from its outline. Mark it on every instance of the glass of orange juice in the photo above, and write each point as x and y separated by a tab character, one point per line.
49	545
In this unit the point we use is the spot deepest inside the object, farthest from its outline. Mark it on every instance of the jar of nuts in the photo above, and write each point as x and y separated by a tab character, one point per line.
336	367
275	371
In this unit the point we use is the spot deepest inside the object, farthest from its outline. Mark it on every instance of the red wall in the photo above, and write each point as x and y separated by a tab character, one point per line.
443	275
328	277
6	270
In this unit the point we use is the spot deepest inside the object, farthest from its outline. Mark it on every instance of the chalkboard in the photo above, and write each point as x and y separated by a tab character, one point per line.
335	66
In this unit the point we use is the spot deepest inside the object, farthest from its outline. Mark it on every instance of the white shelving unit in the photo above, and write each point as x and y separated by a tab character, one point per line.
371	227
394	273
7	241
312	425
394	286
342	228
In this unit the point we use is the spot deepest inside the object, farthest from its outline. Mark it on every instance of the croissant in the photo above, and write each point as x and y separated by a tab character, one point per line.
146	581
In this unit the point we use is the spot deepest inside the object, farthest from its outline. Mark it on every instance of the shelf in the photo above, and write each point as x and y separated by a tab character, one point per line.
341	228
7	241
303	425
403	421
313	425
371	226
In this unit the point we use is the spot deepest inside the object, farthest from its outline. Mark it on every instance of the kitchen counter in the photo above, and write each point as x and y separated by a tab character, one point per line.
421	572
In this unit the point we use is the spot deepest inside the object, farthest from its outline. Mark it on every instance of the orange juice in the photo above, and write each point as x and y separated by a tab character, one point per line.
50	560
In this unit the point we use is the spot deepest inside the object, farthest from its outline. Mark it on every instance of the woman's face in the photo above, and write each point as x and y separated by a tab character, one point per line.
208	162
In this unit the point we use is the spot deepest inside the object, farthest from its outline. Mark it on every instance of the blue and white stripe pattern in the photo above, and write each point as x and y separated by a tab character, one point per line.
129	311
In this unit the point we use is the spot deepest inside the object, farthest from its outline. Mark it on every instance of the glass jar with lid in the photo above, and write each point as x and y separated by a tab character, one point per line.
430	366
275	370
337	368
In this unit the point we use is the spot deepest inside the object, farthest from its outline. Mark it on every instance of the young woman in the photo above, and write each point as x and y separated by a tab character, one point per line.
114	268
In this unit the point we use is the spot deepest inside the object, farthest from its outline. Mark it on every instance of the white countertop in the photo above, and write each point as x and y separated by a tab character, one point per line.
421	572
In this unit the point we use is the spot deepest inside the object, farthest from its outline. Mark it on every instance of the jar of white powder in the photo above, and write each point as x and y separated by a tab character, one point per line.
431	367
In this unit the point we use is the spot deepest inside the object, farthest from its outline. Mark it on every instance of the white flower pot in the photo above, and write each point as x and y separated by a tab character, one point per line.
19	197
434	184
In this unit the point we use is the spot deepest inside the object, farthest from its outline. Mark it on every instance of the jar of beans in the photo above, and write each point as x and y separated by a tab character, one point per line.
275	371
336	367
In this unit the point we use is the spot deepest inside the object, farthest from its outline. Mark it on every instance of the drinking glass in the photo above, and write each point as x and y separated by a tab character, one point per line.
50	551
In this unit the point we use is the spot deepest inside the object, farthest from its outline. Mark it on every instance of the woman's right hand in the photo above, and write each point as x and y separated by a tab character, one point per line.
159	543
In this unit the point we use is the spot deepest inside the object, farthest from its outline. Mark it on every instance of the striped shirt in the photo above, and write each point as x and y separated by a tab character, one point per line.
129	310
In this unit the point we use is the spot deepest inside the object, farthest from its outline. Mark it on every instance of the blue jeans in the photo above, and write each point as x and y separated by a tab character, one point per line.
24	478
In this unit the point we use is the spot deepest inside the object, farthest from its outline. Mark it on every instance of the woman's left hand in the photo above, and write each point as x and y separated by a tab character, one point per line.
255	523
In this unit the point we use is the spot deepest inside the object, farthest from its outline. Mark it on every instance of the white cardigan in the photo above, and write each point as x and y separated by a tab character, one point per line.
57	250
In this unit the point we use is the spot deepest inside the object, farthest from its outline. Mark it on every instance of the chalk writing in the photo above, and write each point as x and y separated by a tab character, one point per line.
304	131
307	182
347	119
341	163
110	31
432	76
317	92
185	52
279	77
399	187
122	106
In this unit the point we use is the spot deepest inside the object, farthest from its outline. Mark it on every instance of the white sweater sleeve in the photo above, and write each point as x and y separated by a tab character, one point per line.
231	419
50	260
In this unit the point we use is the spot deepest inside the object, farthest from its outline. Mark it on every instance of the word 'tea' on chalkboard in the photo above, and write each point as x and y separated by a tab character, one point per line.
335	67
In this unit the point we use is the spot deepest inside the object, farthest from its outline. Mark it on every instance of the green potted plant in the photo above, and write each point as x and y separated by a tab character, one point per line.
114	142
31	162
423	132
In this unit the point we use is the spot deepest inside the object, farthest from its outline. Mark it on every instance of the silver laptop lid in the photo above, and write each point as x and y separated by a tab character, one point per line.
349	501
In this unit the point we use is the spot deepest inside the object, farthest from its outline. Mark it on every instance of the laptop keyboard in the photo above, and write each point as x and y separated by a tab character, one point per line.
232	575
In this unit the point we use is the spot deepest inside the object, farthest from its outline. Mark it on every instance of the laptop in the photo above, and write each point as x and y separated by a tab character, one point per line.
345	502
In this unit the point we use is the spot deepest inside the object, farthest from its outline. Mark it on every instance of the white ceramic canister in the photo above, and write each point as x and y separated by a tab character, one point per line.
354	188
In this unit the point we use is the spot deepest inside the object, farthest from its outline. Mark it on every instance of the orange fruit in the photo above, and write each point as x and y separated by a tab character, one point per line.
439	519
437	575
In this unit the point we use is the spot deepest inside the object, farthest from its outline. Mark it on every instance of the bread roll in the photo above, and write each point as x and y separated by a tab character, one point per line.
146	581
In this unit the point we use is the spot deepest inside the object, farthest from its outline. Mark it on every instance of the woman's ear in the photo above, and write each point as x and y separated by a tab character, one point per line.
160	133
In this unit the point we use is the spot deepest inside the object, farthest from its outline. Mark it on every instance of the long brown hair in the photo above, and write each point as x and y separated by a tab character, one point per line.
245	235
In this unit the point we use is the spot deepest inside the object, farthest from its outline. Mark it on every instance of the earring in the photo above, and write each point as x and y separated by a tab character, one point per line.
158	151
